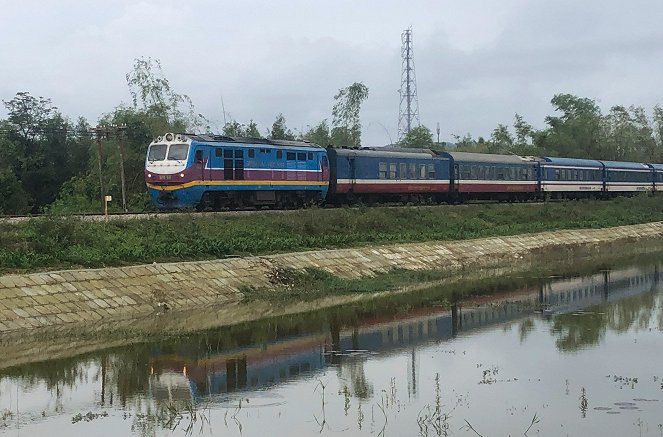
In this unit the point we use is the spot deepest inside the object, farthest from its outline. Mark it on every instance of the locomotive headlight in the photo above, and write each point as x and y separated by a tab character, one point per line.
149	175
181	175
169	137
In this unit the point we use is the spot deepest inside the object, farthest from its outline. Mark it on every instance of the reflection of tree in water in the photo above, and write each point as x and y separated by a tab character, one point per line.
579	331
351	369
636	312
524	328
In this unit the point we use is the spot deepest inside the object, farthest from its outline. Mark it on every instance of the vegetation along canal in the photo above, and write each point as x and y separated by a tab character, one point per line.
547	356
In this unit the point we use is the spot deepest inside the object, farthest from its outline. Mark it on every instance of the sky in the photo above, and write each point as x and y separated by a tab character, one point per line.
477	63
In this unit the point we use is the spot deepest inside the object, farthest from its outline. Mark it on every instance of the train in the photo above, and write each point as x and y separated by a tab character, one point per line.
220	172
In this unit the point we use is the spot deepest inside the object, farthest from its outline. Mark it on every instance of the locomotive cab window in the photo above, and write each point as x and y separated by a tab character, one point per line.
157	152
218	152
309	156
178	152
227	153
290	156
301	156
279	154
199	156
252	153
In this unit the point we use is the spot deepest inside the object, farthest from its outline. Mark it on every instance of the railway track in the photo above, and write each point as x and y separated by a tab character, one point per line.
233	213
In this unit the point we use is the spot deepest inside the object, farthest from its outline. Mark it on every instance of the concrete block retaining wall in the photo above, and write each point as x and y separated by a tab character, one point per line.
106	295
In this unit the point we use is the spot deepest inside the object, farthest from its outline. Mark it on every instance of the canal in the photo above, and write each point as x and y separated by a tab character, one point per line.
576	356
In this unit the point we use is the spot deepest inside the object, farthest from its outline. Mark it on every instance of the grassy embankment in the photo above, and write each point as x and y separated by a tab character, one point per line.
52	243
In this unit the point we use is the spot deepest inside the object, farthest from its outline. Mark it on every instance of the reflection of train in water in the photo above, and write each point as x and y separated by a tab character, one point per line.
181	375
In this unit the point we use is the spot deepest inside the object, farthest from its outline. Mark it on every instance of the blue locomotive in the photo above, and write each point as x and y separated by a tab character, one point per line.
211	171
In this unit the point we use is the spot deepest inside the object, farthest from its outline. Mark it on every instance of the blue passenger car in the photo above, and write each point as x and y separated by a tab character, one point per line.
387	174
658	176
570	177
625	177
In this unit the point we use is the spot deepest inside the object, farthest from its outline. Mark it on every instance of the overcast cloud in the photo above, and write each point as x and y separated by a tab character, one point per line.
477	62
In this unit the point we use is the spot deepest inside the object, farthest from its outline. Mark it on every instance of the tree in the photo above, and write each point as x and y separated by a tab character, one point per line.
279	130
346	124
29	114
577	132
524	131
418	137
236	129
149	87
318	134
501	140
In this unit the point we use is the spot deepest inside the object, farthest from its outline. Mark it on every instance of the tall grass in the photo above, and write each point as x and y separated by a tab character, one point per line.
63	242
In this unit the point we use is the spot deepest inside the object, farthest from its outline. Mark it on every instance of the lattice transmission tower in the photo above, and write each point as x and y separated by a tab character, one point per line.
408	110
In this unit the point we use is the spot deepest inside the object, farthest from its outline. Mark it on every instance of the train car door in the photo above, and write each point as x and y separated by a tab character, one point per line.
456	177
228	168
324	166
353	171
202	157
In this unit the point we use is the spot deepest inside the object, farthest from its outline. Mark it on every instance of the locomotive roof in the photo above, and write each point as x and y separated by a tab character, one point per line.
256	141
486	157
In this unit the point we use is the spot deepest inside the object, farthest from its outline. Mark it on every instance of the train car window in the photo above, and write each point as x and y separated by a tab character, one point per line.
402	170
310	156
252	153
473	172
412	171
557	174
382	170
575	175
523	174
500	173
464	171
491	176
392	170
422	171
263	150
227	153
290	156
279	154
239	153
530	174
512	174
218	152
301	156
431	171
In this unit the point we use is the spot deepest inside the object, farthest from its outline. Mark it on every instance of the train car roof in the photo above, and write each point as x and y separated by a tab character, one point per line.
252	141
486	157
625	165
386	153
573	162
657	167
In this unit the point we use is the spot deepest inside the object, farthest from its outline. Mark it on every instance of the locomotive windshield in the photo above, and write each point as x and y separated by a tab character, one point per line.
157	152
178	152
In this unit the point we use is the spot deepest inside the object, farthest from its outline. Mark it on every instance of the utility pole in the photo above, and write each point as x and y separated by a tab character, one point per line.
438	133
98	133
120	147
408	110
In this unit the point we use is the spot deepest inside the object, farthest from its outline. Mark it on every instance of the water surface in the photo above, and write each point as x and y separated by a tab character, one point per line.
577	357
